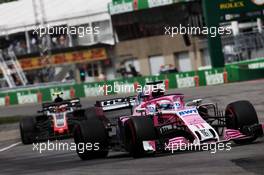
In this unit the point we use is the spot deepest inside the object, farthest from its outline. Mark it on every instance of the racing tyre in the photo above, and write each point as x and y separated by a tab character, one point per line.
91	113
91	139
240	114
27	130
137	130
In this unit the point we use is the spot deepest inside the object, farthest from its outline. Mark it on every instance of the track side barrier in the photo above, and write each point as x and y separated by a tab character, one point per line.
243	71
7	100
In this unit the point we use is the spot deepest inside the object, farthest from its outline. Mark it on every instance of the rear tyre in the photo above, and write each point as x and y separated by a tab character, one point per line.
90	113
137	130
91	139
240	114
27	130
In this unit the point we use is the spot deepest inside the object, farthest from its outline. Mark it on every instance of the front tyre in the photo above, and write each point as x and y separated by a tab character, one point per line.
137	130
91	139
27	130
239	115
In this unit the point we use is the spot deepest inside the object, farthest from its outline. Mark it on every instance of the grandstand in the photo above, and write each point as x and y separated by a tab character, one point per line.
91	41
49	57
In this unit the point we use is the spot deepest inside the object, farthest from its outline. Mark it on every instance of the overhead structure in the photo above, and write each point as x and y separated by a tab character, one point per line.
125	6
11	69
19	16
45	40
216	12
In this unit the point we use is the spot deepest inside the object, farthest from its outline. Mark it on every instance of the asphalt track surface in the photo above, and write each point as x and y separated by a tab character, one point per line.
16	158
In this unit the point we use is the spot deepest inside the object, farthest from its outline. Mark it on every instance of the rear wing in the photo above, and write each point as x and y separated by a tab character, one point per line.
70	103
116	103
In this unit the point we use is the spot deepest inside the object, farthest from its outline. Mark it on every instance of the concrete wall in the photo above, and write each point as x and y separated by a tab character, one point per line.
166	46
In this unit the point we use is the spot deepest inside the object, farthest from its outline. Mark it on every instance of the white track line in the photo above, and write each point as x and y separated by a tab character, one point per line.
9	147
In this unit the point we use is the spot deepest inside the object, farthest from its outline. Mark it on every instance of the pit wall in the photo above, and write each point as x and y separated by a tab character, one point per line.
242	71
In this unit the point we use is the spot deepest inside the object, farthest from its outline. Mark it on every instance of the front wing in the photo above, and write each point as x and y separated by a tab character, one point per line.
177	143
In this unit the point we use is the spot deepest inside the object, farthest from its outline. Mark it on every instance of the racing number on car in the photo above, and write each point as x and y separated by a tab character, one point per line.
166	128
205	133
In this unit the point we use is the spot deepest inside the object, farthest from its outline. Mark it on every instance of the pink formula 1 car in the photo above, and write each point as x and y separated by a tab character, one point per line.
160	122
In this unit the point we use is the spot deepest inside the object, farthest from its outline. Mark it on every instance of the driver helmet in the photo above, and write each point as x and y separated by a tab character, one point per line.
58	98
165	105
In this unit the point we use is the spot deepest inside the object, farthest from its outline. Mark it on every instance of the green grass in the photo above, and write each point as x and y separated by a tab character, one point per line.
9	120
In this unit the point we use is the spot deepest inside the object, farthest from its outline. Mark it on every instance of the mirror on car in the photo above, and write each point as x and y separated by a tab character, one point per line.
195	102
